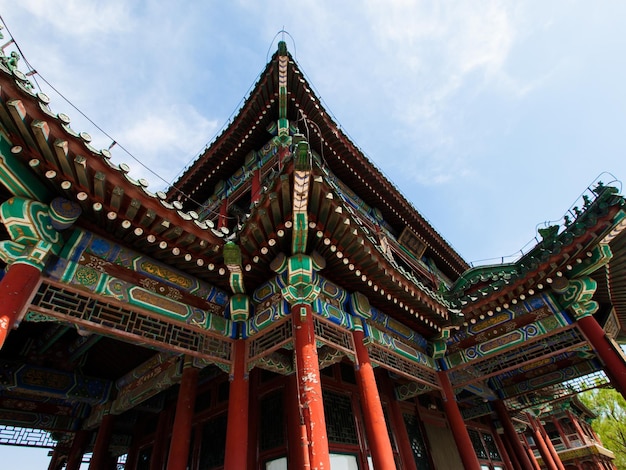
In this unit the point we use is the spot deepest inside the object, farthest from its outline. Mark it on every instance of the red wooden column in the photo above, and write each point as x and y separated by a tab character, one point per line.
615	366
133	450
583	436
457	425
254	417
548	461
159	448
553	453
515	465
79	444
100	455
17	288
296	437
181	432
310	387
236	456
504	451
222	220
511	434
56	461
531	457
402	436
561	431
375	426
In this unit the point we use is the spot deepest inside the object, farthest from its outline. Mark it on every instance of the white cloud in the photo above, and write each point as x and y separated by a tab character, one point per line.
81	17
437	53
165	139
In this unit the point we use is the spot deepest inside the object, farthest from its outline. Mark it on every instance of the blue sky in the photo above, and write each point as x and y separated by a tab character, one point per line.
490	116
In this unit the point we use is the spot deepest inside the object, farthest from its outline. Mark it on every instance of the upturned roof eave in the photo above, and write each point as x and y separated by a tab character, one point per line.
302	99
195	174
545	261
65	163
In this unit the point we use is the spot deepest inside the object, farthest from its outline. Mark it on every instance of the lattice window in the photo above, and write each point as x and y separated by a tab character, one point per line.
121	461
416	439
402	366
17	436
143	459
478	445
270	339
272	428
492	448
333	335
214	443
66	304
562	390
340	425
490	365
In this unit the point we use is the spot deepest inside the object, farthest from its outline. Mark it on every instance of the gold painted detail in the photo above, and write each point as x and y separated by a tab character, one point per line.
166	274
161	303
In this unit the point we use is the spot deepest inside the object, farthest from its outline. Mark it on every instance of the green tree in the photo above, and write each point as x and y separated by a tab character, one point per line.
610	422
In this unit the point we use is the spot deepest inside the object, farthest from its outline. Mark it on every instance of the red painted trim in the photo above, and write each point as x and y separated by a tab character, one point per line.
17	288
373	416
457	425
309	386
238	404
181	432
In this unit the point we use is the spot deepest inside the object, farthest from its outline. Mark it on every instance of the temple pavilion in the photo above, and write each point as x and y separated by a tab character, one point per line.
283	305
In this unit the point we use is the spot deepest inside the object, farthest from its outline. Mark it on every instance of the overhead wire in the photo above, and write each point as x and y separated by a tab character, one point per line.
33	73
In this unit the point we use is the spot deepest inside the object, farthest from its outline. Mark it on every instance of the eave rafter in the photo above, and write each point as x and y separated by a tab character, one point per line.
350	164
539	269
113	202
358	260
303	108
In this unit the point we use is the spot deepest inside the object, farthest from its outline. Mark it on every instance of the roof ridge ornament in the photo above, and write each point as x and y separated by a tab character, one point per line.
282	46
284	138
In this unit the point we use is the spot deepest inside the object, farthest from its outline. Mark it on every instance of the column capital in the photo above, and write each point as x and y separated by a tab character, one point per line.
34	229
577	294
232	259
239	307
302	283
